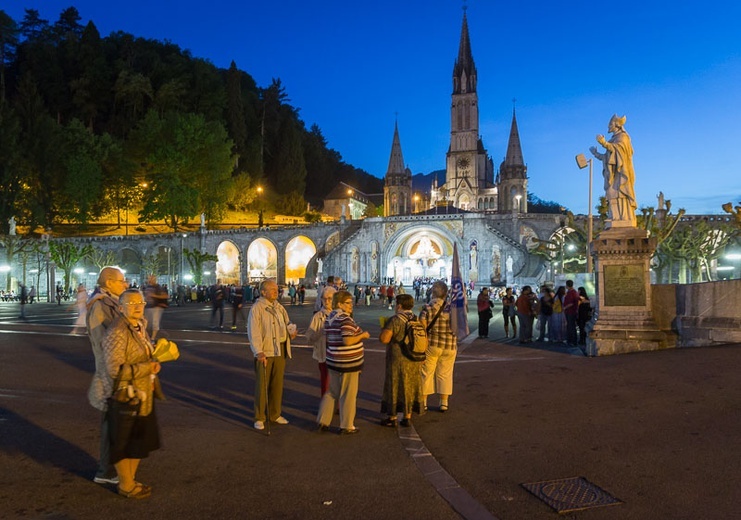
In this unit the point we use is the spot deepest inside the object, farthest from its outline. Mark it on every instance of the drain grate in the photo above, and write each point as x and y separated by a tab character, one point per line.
571	494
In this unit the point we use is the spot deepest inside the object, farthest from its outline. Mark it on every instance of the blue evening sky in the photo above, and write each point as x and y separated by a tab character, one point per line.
674	68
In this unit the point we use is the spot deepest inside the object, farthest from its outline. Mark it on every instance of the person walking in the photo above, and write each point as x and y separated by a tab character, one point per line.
130	369
23	296
157	298
345	358
318	340
402	386
102	309
270	333
237	301
32	294
484	306
216	292
557	330
437	370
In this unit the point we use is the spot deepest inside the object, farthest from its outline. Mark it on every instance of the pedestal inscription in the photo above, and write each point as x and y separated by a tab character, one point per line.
624	285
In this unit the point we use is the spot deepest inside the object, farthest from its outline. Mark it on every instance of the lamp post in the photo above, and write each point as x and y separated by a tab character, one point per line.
349	202
182	240
259	208
582	162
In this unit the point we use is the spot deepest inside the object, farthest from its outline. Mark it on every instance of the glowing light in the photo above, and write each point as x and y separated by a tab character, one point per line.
298	253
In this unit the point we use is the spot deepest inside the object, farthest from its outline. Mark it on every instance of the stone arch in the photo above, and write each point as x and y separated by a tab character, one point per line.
418	251
229	263
262	260
130	260
299	252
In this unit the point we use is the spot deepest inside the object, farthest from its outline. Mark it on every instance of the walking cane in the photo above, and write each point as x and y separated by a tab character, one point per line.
267	403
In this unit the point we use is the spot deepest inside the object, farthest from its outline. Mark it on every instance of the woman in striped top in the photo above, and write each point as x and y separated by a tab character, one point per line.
344	363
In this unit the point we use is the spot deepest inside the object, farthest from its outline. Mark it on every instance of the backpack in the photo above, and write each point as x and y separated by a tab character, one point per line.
414	344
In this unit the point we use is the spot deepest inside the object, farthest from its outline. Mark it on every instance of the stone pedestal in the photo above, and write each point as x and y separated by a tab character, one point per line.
623	322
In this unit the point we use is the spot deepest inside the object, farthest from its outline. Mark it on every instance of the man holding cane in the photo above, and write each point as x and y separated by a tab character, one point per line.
270	333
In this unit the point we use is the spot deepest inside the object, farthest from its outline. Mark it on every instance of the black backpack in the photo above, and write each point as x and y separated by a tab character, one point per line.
414	344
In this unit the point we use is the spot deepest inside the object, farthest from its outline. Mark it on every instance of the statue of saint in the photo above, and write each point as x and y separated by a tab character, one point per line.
203	220
473	255
11	226
618	172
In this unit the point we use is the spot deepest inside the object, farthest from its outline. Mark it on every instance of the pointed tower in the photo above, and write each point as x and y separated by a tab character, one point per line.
397	192
467	168
513	174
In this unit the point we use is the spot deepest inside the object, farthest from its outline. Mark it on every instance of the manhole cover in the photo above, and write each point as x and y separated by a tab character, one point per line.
571	494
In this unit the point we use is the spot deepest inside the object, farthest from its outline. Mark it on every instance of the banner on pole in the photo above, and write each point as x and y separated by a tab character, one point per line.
458	303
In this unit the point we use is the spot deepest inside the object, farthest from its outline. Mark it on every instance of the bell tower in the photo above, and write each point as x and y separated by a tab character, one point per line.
397	191
513	174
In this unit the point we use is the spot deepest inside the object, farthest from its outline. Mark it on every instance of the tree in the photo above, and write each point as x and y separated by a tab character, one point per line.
187	163
196	259
102	258
9	32
66	255
235	110
14	245
11	179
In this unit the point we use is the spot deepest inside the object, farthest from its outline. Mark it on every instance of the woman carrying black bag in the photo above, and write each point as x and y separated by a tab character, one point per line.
131	371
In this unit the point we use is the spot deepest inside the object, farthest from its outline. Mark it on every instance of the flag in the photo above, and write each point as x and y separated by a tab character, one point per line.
458	303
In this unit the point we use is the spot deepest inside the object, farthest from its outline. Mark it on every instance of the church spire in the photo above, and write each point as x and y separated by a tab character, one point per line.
396	161
514	150
464	70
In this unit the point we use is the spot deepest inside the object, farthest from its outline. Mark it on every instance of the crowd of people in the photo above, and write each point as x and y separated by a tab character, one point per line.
562	315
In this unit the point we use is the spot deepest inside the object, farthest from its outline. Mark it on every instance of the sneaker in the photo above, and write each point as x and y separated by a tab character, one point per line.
259	425
281	420
106	480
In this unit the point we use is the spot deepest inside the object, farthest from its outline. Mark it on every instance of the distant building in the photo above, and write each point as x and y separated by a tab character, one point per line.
346	201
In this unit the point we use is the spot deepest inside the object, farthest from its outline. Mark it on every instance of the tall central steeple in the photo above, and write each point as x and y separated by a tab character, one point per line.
468	168
464	70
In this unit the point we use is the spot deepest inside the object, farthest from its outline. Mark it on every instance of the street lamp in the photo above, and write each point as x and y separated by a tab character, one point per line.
259	207
182	239
582	162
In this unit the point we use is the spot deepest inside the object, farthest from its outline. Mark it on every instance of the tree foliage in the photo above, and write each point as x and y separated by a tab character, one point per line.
66	255
59	78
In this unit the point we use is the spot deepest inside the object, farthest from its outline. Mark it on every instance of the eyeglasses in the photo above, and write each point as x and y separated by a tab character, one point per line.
135	303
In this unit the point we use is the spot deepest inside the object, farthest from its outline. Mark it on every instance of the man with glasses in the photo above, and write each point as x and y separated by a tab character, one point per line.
102	308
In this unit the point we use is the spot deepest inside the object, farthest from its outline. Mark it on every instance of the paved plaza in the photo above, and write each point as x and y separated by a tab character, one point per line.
658	431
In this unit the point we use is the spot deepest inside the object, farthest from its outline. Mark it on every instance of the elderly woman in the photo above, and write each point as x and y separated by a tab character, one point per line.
345	358
402	387
130	371
437	369
315	336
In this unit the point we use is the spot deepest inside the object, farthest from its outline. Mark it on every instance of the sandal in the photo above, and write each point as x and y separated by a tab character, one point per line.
389	421
443	408
139	491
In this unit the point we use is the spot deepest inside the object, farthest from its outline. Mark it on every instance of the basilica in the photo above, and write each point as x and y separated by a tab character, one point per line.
470	182
482	211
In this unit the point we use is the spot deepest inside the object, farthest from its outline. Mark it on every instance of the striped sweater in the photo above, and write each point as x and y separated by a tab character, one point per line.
341	357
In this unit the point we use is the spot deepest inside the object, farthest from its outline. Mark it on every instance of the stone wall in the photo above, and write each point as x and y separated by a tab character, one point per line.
702	314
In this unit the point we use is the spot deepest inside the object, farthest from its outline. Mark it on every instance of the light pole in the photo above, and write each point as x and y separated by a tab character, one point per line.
259	207
182	239
582	162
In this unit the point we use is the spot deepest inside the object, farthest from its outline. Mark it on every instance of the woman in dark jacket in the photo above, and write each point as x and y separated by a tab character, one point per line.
484	305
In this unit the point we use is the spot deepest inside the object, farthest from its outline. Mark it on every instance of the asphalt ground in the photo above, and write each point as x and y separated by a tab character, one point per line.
658	431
